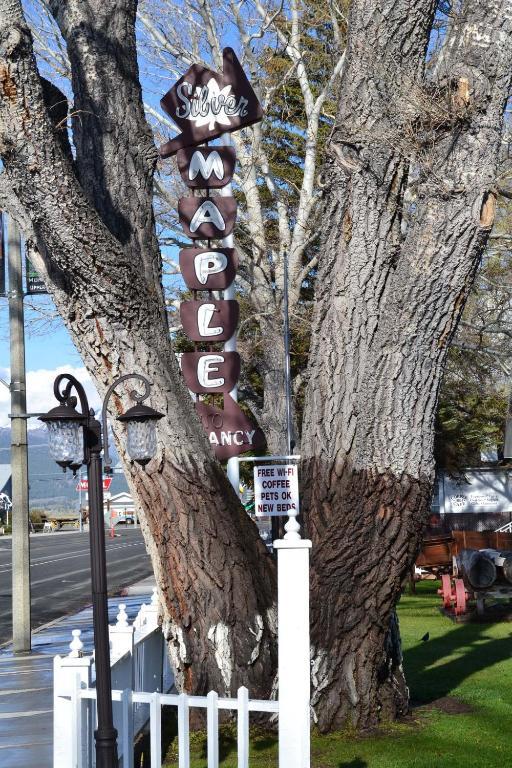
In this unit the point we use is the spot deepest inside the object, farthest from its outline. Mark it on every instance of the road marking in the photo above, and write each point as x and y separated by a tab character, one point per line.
87	569
32	713
26	746
114	548
14	691
27	671
21	659
74	587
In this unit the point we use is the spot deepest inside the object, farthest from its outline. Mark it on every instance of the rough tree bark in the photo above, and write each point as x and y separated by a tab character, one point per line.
393	280
92	221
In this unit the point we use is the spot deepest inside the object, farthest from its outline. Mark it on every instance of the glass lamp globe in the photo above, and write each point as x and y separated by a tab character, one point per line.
141	432
65	435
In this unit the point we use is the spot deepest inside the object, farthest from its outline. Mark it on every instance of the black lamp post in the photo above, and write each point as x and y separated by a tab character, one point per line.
75	438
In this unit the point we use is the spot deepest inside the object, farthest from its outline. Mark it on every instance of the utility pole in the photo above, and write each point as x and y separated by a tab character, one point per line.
21	629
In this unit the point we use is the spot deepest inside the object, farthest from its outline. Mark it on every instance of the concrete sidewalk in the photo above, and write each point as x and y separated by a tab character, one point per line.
26	684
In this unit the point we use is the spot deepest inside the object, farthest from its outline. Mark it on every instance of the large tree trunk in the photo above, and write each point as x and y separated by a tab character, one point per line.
409	206
92	222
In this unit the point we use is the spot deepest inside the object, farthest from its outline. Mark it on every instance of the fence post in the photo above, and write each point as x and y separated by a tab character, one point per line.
69	673
152	611
183	732
121	637
293	650
212	729
147	617
243	727
155	730
127	728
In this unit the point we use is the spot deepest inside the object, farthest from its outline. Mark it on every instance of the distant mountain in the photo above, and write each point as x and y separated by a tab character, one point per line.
49	486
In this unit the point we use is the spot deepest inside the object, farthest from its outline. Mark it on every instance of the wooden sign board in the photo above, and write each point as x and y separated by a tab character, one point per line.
208	269
207	218
210	371
212	320
205	104
206	167
230	431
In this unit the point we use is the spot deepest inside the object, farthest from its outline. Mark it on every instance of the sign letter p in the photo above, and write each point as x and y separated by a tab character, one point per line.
209	263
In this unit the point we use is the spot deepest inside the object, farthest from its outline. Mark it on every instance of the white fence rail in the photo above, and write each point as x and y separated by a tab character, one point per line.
82	699
139	663
141	680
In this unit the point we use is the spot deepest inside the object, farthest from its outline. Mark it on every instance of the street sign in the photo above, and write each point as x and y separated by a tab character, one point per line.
34	282
276	490
83	485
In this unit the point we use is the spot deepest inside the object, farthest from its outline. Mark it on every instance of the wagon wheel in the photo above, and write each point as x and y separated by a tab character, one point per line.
460	597
446	590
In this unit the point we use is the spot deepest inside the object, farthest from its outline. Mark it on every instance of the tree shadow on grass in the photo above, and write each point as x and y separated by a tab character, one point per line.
355	763
429	679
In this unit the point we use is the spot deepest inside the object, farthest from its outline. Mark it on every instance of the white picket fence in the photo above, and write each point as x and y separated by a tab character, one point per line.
141	680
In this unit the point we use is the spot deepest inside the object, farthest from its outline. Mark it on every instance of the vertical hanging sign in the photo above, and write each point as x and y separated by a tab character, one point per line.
205	104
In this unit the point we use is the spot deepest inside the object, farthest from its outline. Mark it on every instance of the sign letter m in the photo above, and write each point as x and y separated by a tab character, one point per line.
212	163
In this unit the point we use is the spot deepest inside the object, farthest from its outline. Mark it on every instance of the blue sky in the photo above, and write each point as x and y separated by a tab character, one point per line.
46	354
44	348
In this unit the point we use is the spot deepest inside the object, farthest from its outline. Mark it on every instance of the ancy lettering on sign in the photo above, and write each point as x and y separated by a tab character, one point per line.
207	218
229	431
208	269
209	320
206	167
210	372
204	104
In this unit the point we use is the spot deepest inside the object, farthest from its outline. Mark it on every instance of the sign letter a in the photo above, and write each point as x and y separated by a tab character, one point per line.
207	213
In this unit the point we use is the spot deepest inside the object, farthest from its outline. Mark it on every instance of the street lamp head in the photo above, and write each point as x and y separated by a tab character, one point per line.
140	423
65	434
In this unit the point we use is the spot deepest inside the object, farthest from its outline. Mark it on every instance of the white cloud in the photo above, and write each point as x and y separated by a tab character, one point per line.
40	397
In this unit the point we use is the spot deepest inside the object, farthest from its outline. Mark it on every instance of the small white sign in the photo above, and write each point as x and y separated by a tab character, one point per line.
276	490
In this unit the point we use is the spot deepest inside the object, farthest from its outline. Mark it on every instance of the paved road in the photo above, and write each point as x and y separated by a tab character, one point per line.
60	573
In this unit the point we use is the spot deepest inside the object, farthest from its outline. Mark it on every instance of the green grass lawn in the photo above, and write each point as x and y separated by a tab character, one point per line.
462	667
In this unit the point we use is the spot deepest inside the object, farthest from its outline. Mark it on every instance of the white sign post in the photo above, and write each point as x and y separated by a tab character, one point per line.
276	490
